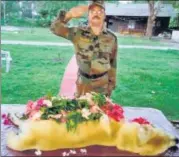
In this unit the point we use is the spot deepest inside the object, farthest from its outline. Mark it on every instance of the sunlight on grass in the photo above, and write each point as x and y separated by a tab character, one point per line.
146	78
44	34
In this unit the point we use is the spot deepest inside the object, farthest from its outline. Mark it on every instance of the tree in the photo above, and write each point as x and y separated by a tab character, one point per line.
174	22
9	9
51	8
154	8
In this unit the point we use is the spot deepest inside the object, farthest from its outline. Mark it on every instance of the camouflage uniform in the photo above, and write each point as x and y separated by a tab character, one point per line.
95	55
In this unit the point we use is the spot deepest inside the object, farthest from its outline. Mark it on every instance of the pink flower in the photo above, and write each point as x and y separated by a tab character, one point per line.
7	121
29	107
40	101
4	116
33	107
94	109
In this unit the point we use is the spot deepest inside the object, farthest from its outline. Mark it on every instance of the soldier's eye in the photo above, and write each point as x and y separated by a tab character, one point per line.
100	12
97	12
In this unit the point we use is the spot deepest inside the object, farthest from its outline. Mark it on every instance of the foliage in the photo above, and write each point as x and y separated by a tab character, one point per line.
174	22
73	108
99	99
48	10
83	103
73	119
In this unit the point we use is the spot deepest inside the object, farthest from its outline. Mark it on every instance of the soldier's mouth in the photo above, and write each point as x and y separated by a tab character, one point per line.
96	17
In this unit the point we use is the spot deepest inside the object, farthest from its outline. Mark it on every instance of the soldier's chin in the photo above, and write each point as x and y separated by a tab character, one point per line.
96	23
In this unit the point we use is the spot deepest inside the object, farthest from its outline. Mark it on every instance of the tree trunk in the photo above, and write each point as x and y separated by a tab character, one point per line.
149	27
151	19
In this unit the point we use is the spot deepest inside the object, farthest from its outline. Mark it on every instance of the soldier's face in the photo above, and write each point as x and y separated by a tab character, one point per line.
96	15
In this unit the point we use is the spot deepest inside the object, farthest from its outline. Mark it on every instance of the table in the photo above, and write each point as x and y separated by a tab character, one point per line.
155	116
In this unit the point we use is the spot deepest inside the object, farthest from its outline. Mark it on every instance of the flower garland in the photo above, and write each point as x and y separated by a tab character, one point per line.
91	106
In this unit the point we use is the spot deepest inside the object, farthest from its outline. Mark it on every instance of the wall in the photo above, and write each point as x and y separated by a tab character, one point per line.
122	26
175	36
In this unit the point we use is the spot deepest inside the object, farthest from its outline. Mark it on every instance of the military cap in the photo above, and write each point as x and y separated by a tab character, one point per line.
97	2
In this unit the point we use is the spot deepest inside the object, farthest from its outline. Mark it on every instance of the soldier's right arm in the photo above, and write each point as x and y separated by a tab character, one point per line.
59	27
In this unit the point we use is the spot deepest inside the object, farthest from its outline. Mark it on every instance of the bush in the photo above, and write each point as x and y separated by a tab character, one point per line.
43	22
15	20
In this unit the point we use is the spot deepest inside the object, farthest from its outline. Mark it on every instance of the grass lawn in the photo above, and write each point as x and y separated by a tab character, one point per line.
147	78
44	34
32	34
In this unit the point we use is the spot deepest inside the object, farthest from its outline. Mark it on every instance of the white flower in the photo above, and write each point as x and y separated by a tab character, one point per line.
38	152
48	103
64	154
85	113
83	151
72	151
57	116
37	115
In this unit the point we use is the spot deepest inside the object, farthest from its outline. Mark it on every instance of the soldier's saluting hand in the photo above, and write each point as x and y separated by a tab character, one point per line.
95	48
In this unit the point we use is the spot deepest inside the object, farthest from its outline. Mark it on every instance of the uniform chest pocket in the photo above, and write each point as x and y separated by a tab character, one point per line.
84	43
106	47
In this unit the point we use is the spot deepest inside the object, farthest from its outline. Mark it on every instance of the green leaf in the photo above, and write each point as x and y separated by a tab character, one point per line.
24	117
73	119
43	109
95	116
99	99
83	103
49	96
44	116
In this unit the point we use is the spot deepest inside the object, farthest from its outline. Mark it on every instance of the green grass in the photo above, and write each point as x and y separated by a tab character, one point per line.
32	34
34	72
146	78
44	34
134	40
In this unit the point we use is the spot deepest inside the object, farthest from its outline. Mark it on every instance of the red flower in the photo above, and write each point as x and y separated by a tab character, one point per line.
140	120
118	108
114	111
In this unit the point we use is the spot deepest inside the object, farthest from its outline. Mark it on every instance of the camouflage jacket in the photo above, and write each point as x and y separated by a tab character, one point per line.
94	54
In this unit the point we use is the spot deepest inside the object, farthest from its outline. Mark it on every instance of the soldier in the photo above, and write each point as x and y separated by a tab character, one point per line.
95	48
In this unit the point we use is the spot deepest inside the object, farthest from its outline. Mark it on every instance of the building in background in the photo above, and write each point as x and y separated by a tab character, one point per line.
132	18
